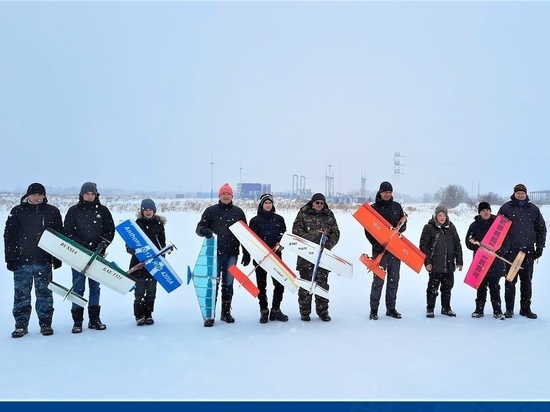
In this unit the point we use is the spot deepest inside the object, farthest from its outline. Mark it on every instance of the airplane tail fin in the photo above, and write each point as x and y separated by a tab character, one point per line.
373	265
312	287
67	294
515	266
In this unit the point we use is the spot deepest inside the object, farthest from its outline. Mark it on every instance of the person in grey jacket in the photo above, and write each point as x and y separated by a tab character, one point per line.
440	243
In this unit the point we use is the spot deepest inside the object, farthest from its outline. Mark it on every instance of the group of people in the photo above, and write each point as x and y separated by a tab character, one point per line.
90	224
441	244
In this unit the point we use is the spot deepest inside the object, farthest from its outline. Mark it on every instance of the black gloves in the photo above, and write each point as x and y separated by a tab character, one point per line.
12	265
207	233
130	250
537	253
246	259
56	263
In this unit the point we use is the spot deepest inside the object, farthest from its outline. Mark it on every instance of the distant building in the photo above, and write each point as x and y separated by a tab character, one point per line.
540	196
252	191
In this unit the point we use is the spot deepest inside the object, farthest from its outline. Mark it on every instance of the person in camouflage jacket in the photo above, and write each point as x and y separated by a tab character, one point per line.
312	220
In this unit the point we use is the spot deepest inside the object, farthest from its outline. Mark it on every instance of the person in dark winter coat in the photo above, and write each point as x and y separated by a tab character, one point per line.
88	223
270	227
392	211
312	220
440	243
476	232
527	234
28	262
216	219
145	292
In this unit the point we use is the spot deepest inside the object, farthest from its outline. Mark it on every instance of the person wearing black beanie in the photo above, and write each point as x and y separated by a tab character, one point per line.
29	263
476	232
527	234
392	212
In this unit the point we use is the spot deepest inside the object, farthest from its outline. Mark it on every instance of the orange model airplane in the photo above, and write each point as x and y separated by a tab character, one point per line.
390	238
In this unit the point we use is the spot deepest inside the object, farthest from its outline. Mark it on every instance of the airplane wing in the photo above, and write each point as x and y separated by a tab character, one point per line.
494	237
481	263
264	256
310	250
204	276
381	230
77	257
147	252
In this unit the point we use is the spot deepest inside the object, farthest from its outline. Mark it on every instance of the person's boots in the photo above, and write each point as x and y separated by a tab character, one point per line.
226	311
479	312
264	315
78	318
277	315
497	311
525	310
95	322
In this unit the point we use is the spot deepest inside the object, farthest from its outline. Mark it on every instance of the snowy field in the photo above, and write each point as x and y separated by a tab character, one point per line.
350	358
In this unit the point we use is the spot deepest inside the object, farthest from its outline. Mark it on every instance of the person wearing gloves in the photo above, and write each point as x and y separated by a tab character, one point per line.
28	262
527	234
216	219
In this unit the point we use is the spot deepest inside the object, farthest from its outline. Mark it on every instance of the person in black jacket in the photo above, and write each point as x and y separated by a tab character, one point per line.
216	219
145	292
476	232
88	223
392	211
440	243
270	227
527	234
28	262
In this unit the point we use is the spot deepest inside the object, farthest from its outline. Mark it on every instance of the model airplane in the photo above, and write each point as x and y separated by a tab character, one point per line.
204	277
88	263
486	253
149	255
390	238
264	256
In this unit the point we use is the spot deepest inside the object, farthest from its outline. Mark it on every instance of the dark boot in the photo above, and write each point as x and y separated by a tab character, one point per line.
373	315
226	311
78	318
95	322
497	311
480	307
277	315
525	310
264	315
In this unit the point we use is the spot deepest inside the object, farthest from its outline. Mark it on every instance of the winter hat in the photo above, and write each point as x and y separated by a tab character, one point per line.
318	196
520	187
440	208
265	197
385	187
88	187
225	189
483	206
36	189
148	204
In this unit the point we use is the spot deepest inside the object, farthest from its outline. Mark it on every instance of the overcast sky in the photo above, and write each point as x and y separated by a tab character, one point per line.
185	96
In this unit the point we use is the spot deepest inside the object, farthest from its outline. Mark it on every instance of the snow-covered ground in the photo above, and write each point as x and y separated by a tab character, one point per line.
350	358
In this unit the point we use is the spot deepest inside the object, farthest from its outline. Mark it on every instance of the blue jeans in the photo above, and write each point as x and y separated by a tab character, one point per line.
79	282
22	281
227	279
